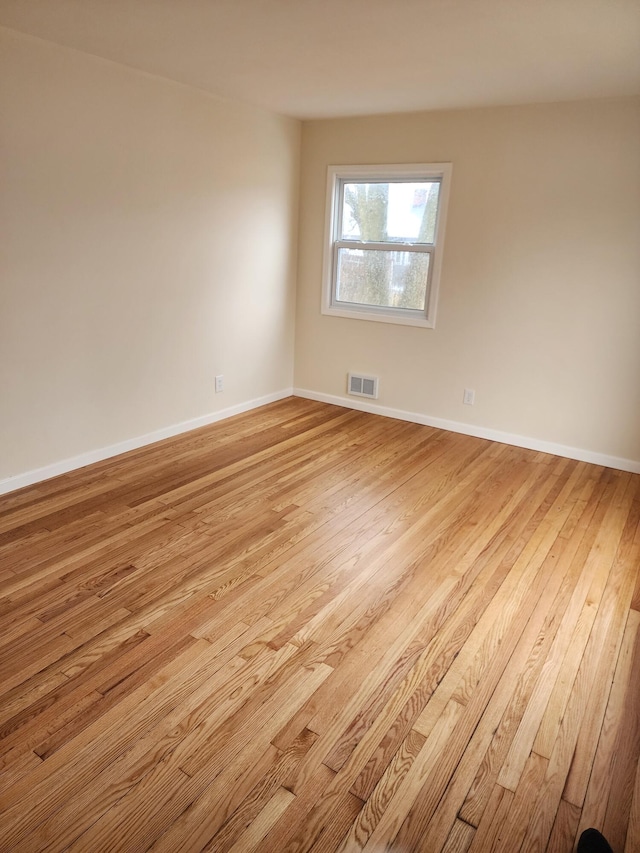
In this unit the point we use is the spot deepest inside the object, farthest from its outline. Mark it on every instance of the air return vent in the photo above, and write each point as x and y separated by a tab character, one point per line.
362	386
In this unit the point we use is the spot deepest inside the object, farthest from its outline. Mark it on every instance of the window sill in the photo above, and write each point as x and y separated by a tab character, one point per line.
378	316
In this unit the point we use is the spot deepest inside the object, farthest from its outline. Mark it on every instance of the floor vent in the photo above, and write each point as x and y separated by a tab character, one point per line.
363	386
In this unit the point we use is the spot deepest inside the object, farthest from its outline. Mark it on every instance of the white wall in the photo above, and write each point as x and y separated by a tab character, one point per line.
147	242
540	292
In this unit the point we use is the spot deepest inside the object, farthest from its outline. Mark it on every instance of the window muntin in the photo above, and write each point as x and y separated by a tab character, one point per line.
385	234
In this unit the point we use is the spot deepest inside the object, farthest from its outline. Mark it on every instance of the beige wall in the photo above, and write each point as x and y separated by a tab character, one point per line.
148	237
539	307
148	241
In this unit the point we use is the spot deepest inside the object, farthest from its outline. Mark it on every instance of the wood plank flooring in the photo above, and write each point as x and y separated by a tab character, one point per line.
312	629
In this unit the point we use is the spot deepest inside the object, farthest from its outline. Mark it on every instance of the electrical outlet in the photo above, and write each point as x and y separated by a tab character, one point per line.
219	383
469	397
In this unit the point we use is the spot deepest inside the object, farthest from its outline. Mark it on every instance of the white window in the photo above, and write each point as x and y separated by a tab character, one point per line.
384	242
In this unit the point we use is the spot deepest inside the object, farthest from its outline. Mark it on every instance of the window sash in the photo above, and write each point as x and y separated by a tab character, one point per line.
341	183
421	248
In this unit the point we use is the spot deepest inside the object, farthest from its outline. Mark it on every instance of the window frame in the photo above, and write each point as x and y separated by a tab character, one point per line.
337	177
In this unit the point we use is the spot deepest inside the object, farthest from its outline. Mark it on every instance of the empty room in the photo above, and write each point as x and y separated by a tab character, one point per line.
320	426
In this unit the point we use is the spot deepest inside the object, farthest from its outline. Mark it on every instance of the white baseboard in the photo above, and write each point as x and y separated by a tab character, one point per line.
37	475
478	432
10	484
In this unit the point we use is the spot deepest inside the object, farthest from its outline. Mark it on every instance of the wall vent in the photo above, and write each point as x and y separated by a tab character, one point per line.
362	386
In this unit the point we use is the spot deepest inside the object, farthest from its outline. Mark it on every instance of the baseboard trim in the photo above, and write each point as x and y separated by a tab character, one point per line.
38	475
478	432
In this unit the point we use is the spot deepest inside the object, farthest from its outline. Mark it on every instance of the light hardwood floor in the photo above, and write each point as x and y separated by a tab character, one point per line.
308	628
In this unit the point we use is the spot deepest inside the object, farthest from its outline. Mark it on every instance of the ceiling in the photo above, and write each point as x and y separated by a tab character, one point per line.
321	58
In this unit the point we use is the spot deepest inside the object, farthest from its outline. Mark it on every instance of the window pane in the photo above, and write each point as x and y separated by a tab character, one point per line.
389	279
403	211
